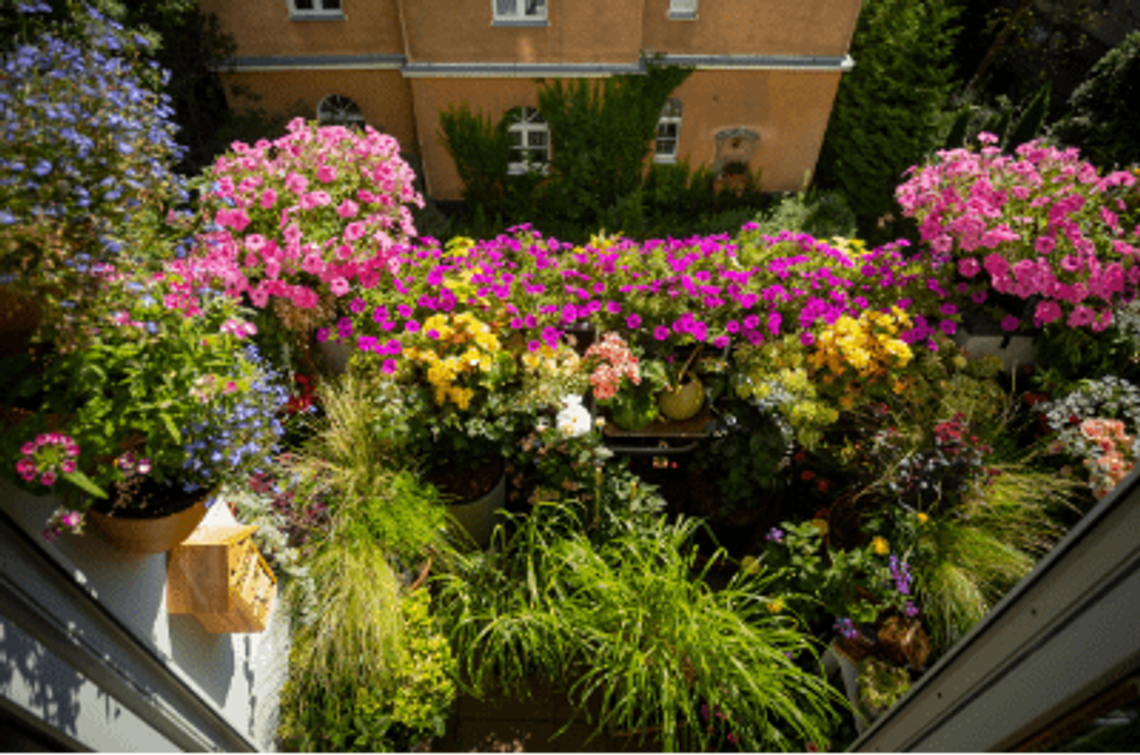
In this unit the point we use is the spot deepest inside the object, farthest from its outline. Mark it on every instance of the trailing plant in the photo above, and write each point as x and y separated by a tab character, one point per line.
299	218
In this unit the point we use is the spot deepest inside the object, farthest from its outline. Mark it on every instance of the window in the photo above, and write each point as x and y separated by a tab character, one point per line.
520	10
316	8
530	141
668	132
337	110
683	9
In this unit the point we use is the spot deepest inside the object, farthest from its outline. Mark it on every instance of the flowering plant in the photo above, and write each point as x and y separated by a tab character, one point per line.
88	145
1098	423
623	383
160	388
855	586
1041	225
305	215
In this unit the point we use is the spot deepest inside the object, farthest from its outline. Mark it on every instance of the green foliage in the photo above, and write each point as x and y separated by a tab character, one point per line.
635	626
354	645
601	136
406	517
824	215
348	457
1065	357
745	457
820	581
481	151
881	683
1101	118
887	110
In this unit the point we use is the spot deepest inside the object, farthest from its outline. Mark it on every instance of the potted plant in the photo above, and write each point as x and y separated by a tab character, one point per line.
297	220
737	475
162	400
881	684
622	384
70	188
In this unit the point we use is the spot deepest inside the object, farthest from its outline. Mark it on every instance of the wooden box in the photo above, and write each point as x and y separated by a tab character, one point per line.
219	576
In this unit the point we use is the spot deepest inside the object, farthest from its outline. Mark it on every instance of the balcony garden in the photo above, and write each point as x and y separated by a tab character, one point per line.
673	480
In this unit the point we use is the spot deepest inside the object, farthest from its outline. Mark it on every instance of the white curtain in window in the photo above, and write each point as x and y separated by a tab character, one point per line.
682	6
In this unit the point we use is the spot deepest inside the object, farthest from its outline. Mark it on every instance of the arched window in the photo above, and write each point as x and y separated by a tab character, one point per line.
530	141
668	132
338	110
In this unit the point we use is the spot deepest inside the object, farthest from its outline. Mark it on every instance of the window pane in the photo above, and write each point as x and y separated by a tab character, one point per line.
536	7
331	4
683	6
505	7
536	139
515	138
666	147
303	4
667	130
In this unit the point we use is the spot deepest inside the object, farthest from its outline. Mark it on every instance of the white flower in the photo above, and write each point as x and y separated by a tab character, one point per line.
574	419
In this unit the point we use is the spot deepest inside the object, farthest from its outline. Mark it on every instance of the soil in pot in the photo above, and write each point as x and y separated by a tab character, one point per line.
143	497
460	484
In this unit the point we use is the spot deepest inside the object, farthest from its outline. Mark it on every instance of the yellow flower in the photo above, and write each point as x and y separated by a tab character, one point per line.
776	605
880	546
923	518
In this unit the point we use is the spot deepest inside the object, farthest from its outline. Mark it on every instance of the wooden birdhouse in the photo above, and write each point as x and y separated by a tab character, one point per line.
219	576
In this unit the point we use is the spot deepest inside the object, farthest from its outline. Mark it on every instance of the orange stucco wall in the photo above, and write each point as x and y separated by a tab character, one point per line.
789	110
263	27
384	96
753	27
578	31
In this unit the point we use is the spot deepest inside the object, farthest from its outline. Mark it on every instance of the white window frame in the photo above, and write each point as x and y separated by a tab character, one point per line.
524	12
335	110
683	10
527	121
671	115
321	10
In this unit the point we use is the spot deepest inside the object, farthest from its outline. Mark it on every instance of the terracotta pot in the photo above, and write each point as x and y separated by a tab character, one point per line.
683	403
133	534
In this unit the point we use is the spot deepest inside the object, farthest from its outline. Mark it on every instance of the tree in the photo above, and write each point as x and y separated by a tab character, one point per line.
1101	118
888	110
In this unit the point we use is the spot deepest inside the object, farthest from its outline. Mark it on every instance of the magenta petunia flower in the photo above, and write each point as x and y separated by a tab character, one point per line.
1010	323
633	322
389	366
661	333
